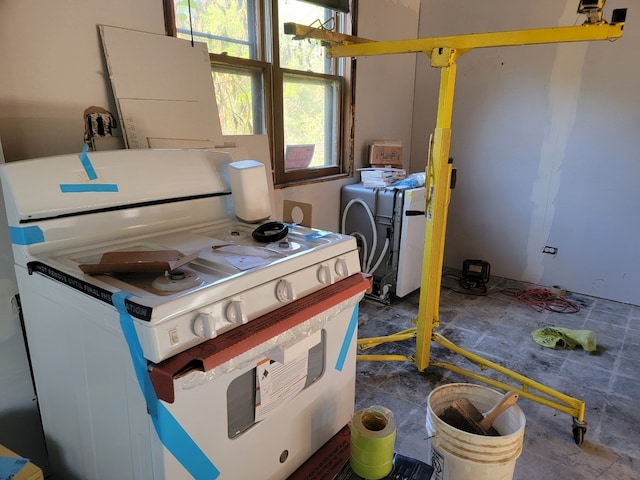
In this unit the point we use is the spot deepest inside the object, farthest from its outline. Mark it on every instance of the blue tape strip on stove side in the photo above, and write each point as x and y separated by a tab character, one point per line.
88	187
86	163
26	235
170	432
91	175
348	336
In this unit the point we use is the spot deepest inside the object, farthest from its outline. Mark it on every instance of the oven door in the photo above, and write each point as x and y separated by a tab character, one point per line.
253	426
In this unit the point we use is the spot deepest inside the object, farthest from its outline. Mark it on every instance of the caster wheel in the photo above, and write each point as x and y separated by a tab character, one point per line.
578	434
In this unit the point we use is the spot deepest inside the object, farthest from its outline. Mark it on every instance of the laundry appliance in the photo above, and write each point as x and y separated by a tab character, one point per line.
389	225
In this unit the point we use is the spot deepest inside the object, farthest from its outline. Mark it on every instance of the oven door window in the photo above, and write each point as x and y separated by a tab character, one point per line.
241	394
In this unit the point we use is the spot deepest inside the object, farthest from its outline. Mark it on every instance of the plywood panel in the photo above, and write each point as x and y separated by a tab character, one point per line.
167	119
163	86
155	142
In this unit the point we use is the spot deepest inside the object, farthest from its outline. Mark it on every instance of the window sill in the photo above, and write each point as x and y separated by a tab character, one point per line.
328	178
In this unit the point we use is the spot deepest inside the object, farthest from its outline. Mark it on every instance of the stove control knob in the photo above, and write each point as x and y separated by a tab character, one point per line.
285	291
324	275
235	312
204	326
341	267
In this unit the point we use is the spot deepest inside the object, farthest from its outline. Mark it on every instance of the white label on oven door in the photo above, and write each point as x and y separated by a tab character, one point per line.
277	383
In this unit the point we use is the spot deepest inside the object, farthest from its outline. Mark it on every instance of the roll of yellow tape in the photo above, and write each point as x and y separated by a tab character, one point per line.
373	436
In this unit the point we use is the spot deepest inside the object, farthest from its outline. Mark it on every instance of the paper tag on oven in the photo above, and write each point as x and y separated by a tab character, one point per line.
277	383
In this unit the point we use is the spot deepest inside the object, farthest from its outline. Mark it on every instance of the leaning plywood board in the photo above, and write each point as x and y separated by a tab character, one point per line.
144	119
174	142
162	77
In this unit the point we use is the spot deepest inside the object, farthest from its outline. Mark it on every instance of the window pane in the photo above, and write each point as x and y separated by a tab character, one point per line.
311	121
308	56
239	94
226	26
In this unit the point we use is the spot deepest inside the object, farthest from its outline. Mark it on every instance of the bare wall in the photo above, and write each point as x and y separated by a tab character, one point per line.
546	145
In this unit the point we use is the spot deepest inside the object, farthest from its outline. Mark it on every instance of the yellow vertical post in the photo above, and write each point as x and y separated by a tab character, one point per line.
438	184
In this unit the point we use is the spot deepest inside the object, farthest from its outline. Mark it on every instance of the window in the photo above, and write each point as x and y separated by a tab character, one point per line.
268	82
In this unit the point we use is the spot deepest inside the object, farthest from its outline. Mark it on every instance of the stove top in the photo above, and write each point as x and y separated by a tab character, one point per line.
228	280
215	254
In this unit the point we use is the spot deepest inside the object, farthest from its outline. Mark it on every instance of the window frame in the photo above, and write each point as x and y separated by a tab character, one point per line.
273	78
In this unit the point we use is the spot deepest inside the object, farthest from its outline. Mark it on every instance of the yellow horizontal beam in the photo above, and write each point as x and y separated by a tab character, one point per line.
463	43
301	32
574	407
570	405
383	358
367	343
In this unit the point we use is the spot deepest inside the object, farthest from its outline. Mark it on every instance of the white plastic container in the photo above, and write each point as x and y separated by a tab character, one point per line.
458	455
251	201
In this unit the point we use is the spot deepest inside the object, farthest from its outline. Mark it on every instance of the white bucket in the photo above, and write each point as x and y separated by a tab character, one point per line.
458	455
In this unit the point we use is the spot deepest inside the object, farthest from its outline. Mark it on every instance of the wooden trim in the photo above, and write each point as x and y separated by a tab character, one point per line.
169	18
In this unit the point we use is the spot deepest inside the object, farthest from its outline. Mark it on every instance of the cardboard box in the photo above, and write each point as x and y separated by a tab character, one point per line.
148	261
386	153
28	472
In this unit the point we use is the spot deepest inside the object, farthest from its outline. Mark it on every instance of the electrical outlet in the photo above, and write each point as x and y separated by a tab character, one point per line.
550	250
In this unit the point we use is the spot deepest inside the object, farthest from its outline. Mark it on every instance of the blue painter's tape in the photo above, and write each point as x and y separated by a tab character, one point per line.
26	235
88	187
86	163
315	235
348	336
170	432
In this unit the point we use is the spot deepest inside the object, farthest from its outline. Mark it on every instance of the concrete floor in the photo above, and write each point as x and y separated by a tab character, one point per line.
498	327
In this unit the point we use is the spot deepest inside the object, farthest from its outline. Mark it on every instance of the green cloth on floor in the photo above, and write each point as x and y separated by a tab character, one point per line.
558	337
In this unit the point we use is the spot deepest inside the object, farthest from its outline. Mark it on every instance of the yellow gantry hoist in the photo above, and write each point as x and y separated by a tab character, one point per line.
443	52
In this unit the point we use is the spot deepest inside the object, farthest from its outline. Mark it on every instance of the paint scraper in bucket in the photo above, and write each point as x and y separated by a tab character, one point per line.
464	415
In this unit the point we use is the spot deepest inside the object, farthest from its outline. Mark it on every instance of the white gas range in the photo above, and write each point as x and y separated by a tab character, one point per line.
130	262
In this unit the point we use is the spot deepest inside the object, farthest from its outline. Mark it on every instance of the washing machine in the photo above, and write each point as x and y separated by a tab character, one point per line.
389	226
